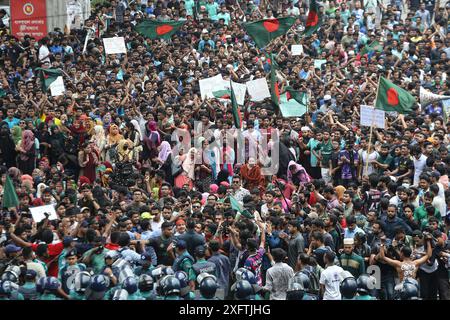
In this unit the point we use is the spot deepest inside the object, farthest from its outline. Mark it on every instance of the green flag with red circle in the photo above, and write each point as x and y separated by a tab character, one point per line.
264	31
314	19
391	97
159	29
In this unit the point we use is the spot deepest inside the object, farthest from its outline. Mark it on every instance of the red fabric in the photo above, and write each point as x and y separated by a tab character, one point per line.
54	250
112	246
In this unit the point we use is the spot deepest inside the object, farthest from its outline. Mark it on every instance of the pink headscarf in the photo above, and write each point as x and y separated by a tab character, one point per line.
27	143
213	188
165	151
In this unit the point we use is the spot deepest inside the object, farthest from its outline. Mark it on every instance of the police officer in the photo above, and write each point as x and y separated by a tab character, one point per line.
71	268
111	271
183	261
170	288
243	290
146	287
348	286
145	266
364	285
247	275
304	279
50	289
208	286
98	288
121	294
201	266
8	291
130	284
295	290
185	292
81	283
28	289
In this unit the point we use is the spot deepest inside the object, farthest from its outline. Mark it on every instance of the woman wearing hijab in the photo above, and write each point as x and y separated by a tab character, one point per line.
57	139
151	141
297	174
27	152
88	160
16	134
8	152
99	141
112	140
133	133
164	161
251	175
187	162
43	136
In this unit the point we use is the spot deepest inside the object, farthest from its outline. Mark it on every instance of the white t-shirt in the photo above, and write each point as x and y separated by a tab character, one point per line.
331	278
419	165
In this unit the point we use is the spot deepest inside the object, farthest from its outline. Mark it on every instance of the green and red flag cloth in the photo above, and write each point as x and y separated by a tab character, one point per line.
314	19
274	88
222	94
264	31
235	205
391	97
10	198
48	76
237	117
159	29
293	103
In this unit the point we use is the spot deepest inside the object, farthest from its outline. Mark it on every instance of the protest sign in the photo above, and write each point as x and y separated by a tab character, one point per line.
114	45
38	213
258	89
370	116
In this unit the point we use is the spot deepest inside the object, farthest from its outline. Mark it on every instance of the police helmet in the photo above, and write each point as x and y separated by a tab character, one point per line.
12	274
184	282
348	286
410	289
120	294
244	290
112	254
303	278
130	284
208	287
167	271
145	282
6	287
170	285
295	291
99	283
365	283
51	284
40	284
82	281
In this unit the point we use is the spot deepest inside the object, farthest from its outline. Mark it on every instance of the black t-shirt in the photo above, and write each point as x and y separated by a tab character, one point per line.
404	164
160	245
442	271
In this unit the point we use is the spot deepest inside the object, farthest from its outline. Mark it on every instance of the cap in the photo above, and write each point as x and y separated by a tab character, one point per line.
71	253
12	248
146	256
181	244
306	128
30	274
200	250
327	97
67	240
313	215
417	233
84	208
349	241
84	224
146	215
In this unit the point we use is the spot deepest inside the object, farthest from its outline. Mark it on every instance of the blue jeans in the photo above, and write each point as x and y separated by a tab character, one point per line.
387	288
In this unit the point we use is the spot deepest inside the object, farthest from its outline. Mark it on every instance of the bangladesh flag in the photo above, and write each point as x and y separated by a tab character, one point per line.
235	205
159	29
264	31
48	76
374	46
314	19
293	103
10	199
393	98
274	88
235	108
222	94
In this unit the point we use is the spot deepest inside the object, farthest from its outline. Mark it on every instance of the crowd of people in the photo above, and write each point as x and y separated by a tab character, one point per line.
349	213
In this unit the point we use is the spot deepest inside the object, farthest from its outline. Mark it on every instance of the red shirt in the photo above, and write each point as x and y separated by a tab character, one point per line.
112	246
54	250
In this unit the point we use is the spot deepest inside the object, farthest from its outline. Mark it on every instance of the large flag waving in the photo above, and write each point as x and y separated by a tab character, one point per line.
159	29
10	198
374	46
235	205
274	89
235	108
48	76
391	97
293	103
264	31
314	19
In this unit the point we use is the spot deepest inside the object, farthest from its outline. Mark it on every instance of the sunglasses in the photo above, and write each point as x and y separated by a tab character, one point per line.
196	207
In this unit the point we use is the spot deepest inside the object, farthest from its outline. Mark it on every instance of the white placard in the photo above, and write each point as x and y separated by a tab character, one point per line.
114	45
239	91
57	87
371	116
210	85
38	213
258	89
297	49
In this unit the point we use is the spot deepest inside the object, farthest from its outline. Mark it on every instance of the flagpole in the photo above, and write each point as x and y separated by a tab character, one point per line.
371	129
